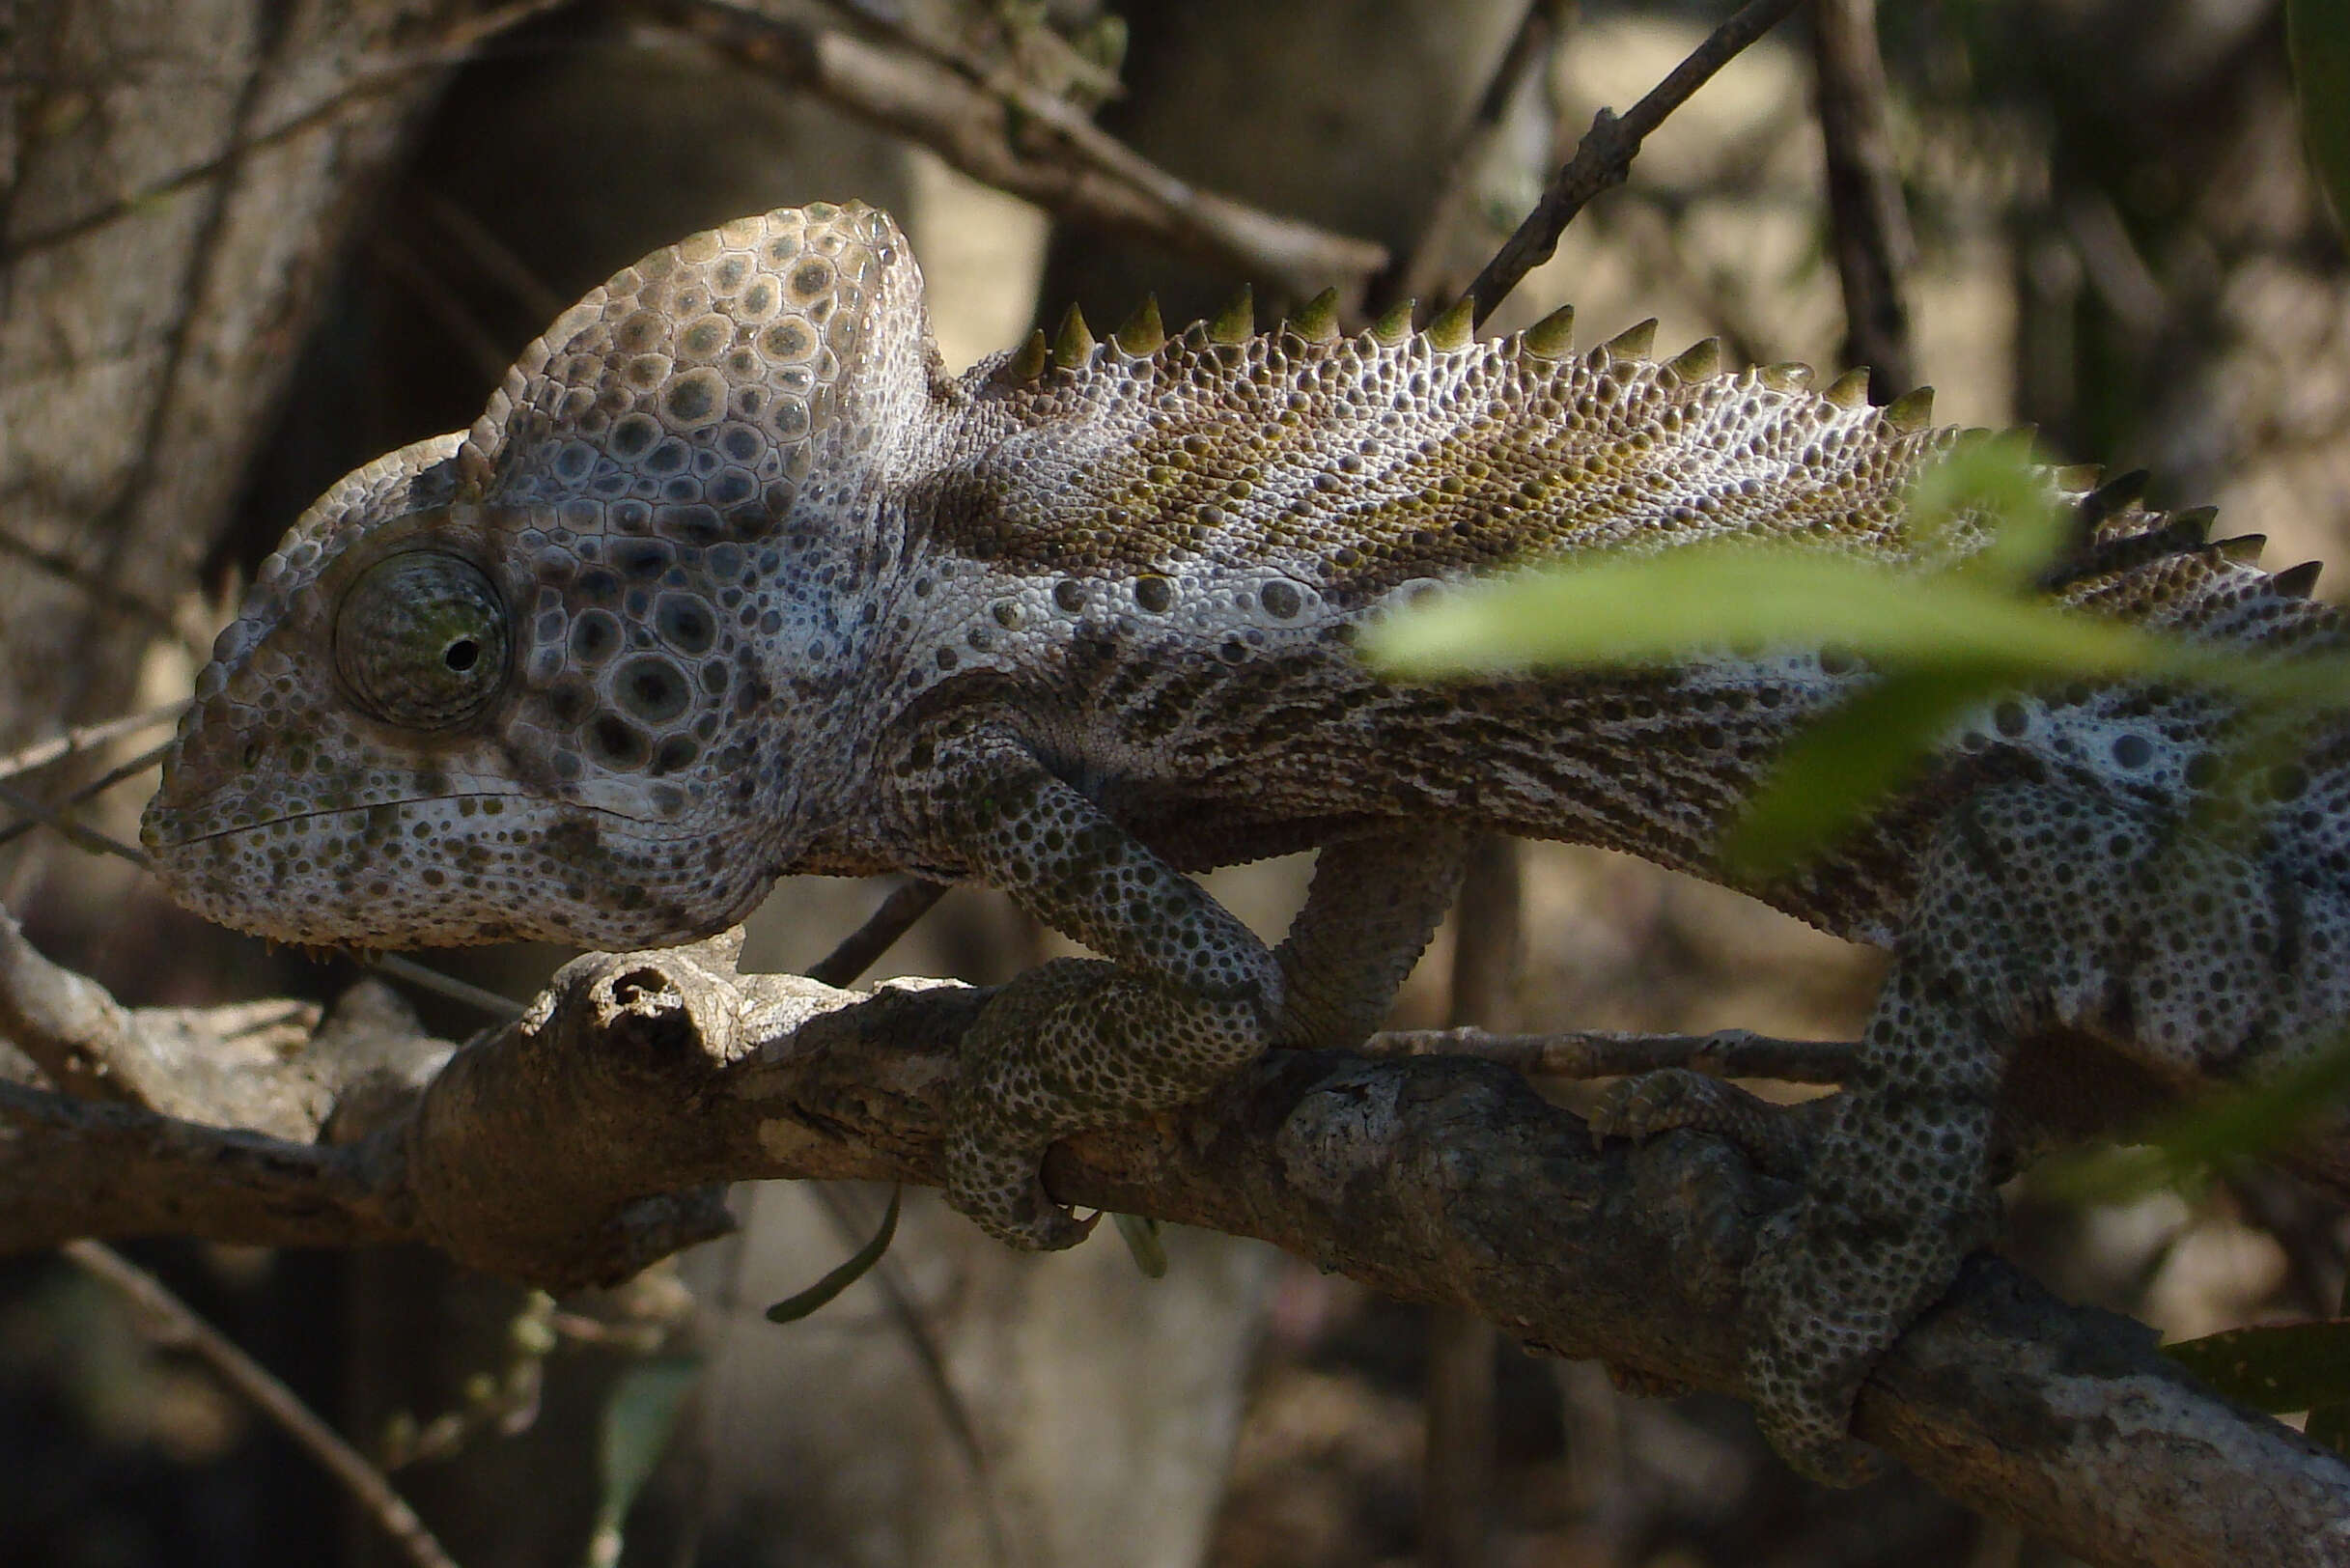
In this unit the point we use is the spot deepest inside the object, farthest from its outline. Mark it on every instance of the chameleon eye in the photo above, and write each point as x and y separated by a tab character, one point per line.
420	640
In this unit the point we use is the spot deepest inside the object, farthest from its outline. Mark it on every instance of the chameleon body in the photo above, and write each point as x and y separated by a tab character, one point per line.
732	581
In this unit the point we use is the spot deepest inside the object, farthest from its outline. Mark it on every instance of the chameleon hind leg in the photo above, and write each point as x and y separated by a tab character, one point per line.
2038	904
1369	912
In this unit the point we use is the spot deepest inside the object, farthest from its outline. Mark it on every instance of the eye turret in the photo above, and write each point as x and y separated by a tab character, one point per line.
421	640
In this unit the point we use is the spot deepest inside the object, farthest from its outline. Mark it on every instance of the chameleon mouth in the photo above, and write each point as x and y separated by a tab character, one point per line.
156	837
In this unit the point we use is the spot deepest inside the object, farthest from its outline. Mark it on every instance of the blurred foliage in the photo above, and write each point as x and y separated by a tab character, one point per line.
1948	632
637	1422
2280	1368
2318	32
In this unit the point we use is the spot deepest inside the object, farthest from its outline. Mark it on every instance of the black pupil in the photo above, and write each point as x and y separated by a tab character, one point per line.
460	655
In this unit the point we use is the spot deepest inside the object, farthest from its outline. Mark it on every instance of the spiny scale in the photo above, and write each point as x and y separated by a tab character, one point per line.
1317	321
1074	344
1143	333
1632	345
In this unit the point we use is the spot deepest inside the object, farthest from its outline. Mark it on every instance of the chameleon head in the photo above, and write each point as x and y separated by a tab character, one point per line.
533	679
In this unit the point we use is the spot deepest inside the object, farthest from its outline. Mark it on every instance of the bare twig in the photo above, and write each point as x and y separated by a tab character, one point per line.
56	815
1869	225
1018	140
171	1323
97	588
492	256
1604	158
1531	48
75	834
1588	1054
425	978
88	738
906	903
930	1360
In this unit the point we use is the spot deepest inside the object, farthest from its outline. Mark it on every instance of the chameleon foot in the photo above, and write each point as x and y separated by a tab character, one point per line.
1640	1109
996	1184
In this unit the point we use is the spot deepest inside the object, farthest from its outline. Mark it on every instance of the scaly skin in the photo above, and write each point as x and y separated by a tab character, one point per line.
730	582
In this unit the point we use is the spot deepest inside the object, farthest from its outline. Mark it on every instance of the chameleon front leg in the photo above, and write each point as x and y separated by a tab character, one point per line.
1189	995
1899	1193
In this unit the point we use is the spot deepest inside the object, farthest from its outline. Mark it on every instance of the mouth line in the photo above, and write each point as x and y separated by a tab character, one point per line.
291	817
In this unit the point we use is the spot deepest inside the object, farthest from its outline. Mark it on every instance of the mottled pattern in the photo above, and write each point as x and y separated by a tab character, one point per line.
730	582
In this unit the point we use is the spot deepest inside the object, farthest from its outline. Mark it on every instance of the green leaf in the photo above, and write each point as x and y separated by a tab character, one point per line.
638	1421
1141	1234
2241	1124
1995	485
2329	1424
2274	1367
1659	610
792	1308
1839	769
2317	33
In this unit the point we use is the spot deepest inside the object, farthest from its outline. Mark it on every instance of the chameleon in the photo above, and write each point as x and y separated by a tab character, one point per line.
732	581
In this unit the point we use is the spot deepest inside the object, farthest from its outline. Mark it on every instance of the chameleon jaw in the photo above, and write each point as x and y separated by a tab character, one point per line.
393	875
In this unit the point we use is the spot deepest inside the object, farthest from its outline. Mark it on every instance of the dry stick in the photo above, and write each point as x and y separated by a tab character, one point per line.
1488	945
1868	224
399	967
1529	50
906	903
173	1324
1589	1053
95	787
493	257
1078	171
930	1360
1604	158
79	836
88	738
62	565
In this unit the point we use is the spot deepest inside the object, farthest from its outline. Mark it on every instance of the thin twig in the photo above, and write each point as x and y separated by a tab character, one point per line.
171	1323
75	834
492	256
87	738
1023	141
1529	49
1867	222
73	574
1588	1054
425	978
1457	1468
88	791
488	355
1604	158
906	903
930	1360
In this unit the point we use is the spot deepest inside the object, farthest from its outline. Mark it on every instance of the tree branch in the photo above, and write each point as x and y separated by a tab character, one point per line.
1027	143
1603	159
582	1141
